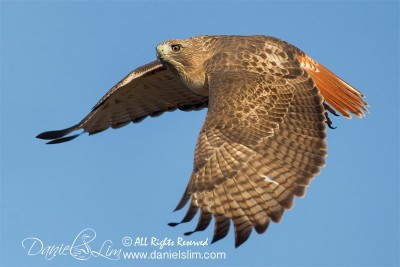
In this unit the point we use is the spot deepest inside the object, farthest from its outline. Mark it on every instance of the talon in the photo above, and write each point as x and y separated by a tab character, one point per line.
331	110
328	121
330	126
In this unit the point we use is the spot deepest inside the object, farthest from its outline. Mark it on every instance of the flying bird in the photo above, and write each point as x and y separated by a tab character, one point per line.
263	139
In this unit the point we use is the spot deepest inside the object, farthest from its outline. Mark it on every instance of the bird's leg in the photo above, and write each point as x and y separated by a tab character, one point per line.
331	110
328	120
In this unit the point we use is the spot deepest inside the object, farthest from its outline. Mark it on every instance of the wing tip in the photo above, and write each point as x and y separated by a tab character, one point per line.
58	136
63	139
240	239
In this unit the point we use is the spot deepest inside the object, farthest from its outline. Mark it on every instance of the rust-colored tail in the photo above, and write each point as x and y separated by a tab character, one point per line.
340	95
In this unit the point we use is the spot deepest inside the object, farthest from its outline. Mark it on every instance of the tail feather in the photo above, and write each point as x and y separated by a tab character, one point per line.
340	95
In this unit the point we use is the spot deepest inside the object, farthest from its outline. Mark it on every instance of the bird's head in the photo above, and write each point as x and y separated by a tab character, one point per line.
178	54
185	57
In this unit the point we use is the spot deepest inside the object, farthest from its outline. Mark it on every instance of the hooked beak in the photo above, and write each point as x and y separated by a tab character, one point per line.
159	52
161	49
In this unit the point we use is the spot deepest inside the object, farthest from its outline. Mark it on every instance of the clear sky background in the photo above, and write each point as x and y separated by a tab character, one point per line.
58	58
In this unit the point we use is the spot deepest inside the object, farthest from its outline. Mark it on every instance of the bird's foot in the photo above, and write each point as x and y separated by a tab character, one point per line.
327	119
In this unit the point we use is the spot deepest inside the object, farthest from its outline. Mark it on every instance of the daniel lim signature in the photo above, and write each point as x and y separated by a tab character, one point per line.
80	248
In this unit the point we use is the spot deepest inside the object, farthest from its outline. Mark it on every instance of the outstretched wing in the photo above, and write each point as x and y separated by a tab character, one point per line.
147	91
261	144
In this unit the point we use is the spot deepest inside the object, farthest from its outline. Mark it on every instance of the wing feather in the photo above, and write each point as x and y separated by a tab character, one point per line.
147	91
262	142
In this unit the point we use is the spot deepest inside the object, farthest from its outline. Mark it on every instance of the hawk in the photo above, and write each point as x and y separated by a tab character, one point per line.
263	139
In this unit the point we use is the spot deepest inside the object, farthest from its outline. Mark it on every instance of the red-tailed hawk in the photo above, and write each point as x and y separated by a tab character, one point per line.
263	138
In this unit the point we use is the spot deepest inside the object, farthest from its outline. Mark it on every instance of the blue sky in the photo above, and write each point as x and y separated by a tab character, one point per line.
58	58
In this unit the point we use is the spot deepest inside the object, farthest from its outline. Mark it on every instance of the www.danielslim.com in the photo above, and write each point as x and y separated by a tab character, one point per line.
174	255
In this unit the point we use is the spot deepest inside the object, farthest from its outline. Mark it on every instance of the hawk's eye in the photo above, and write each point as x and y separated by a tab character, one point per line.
176	48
